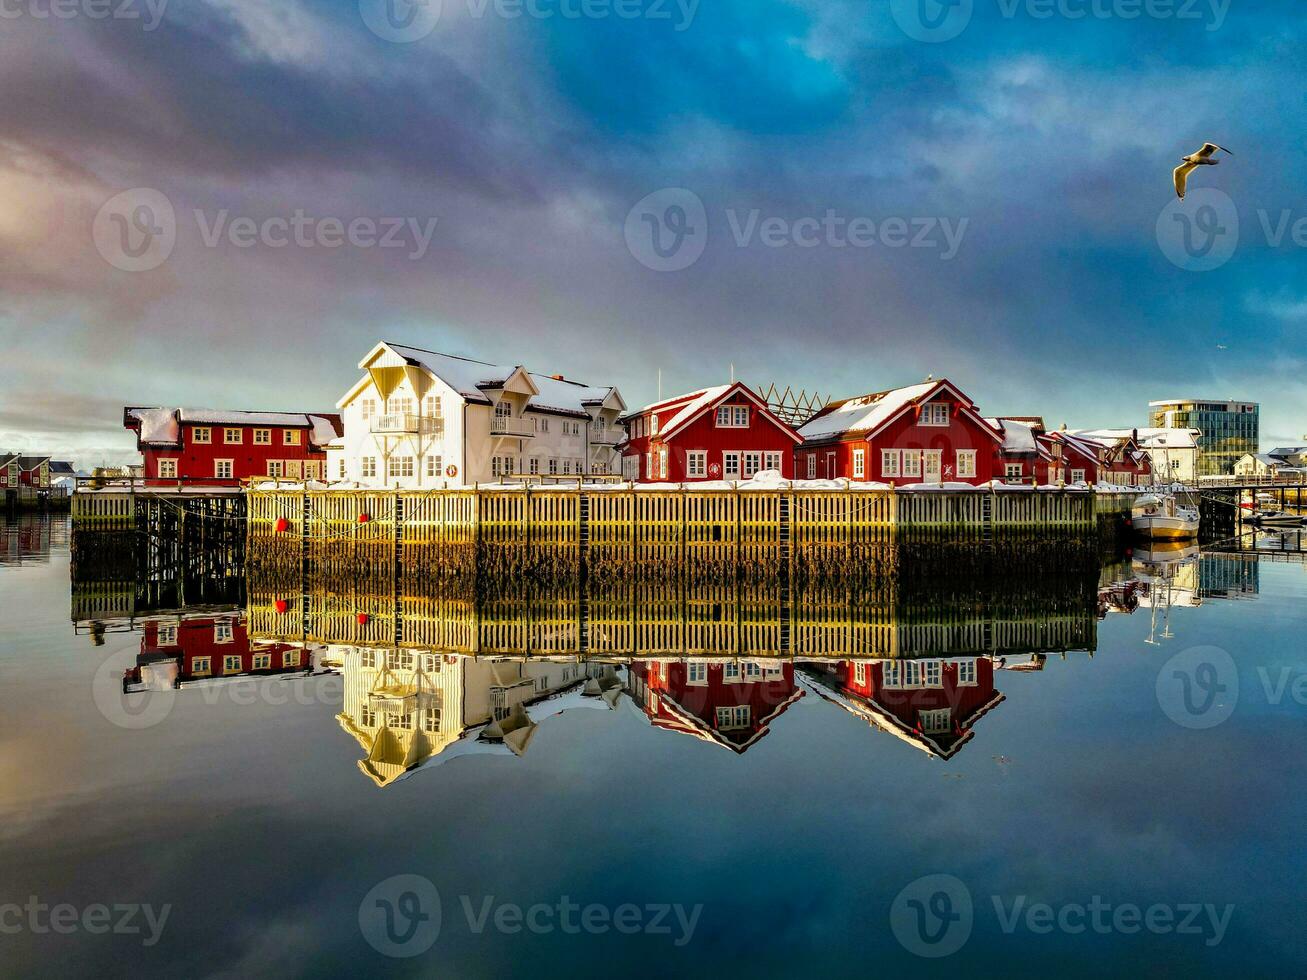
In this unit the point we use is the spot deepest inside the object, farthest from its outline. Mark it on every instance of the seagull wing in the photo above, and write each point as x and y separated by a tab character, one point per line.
1182	173
1209	149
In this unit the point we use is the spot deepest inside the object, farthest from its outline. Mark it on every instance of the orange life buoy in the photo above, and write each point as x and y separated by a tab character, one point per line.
451	470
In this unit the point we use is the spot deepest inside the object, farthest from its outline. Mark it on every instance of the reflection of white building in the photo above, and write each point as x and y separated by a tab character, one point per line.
418	419
408	708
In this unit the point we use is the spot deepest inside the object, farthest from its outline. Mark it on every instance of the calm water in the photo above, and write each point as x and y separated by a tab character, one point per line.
1084	817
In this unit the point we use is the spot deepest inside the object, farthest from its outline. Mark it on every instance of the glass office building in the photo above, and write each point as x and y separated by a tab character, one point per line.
1229	429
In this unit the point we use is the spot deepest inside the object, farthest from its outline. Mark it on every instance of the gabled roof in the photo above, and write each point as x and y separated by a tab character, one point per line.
161	427
1086	447
1288	451
694	404
1020	437
868	414
59	467
31	462
1149	438
6	458
689	723
471	379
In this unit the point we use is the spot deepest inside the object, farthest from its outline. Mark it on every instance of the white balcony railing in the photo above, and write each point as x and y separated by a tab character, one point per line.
504	425
604	436
400	423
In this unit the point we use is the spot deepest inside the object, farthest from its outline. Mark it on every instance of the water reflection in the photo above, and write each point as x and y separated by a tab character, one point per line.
29	538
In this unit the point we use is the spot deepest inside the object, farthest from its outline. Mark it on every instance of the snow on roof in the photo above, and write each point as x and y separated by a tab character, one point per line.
1154	438
1288	451
863	414
326	429
678	400
705	398
468	376
1018	437
162	426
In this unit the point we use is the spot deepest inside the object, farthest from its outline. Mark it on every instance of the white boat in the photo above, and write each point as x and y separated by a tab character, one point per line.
1162	518
1276	518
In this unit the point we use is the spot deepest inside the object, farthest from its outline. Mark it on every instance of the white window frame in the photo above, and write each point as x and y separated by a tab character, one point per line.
263	437
890	464
859	464
933	473
290	437
1013	471
911	463
812	466
934	414
967	673
774	461
891	674
233	437
730	466
367	408
261	661
696	673
168	468
224	464
202	435
932	673
935	721
166	635
292	469
1077	476
202	666
751	464
734	716
730	673
368	467
224	631
966	462
276	468
399	467
732	416
860	674
231	663
696	463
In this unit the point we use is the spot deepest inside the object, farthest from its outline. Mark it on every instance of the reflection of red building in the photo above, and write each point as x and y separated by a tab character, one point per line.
932	704
731	704
178	651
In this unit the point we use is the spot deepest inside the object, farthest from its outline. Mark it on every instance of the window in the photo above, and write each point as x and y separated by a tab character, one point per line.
435	465
399	466
291	658
263	437
812	466
891	674
368	407
544	425
934	460
731	673
275	468
733	416
934	413
696	673
860	674
262	661
233	437
290	437
912	673
889	462
773	462
935	721
1077	476
1013	471
368	658
292	469
223	632
933	673
696	464
168	469
553	467
431	720
859	464
752	464
752	670
201	435
222	469
399	406
730	466
966	673
567	466
534	465
167	636
202	666
340	470
432	406
737	717
369	466
231	664
496	466
966	462
912	462
653	425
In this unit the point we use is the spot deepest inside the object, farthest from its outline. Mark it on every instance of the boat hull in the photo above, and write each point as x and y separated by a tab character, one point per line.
1162	528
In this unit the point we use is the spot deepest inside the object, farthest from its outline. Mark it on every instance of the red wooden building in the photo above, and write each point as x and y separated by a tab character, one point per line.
729	704
184	650
220	448
1121	460
721	433
924	433
931	704
1079	460
1024	456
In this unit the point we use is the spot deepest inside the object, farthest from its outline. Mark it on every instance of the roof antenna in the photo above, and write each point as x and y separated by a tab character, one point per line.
732	374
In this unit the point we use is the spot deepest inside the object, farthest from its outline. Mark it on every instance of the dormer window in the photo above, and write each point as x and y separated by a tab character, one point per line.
503	410
653	425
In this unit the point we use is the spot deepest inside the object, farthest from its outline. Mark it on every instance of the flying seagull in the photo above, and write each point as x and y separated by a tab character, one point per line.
1203	158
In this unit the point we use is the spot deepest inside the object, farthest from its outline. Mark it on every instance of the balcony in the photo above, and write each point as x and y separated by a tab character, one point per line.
604	436
504	425
401	424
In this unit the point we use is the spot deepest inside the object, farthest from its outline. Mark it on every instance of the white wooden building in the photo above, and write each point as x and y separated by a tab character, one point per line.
419	419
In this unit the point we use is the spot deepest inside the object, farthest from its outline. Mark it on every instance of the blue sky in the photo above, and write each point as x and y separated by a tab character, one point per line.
1041	134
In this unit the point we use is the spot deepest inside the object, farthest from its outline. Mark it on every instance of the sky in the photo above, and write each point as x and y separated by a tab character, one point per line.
226	203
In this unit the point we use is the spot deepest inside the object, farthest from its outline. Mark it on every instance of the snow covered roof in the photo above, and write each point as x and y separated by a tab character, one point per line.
688	407
471	378
1289	451
1018	437
162	426
865	413
1153	438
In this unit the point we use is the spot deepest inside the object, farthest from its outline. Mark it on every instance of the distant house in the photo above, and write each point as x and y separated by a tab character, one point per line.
1172	453
924	433
728	704
221	448
1121	459
722	433
33	477
1282	461
8	475
420	419
183	650
933	705
1023	456
1079	460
